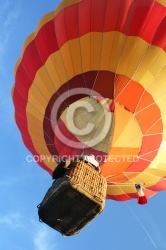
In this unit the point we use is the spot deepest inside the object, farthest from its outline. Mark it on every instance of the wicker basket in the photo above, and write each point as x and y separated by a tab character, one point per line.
74	200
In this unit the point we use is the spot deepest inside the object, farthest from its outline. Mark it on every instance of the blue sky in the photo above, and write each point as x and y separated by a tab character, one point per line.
23	184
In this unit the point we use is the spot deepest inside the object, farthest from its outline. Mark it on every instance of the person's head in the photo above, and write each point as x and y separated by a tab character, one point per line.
91	155
137	186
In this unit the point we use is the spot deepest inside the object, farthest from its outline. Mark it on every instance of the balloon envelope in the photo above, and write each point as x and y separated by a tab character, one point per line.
92	77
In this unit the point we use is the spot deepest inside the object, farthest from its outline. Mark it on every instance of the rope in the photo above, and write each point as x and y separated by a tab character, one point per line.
132	183
105	7
142	226
122	49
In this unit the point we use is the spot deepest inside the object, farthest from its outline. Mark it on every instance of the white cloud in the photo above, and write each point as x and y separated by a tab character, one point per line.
4	7
43	240
12	220
12	181
40	235
6	183
21	179
8	21
6	109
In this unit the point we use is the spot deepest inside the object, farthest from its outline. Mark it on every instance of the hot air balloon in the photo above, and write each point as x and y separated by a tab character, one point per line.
91	79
